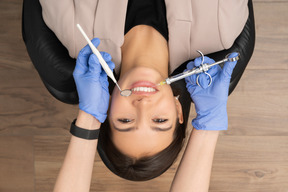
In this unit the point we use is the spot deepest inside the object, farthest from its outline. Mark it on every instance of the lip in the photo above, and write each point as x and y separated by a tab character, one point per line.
144	84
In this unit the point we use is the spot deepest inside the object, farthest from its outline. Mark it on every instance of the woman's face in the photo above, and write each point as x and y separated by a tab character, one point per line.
143	123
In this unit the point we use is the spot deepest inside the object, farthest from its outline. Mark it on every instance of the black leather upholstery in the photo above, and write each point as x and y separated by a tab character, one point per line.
55	66
49	56
244	44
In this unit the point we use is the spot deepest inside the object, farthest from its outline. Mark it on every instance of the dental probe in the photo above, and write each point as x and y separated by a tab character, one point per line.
101	60
202	68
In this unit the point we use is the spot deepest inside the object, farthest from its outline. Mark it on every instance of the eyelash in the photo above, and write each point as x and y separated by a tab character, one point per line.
160	120
154	120
125	120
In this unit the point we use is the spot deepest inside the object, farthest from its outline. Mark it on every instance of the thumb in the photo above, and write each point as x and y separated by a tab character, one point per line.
228	68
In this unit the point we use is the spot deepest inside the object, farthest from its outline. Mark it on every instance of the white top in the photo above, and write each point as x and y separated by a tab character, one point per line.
206	25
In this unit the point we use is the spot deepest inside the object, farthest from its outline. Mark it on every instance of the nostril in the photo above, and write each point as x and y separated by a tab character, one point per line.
138	99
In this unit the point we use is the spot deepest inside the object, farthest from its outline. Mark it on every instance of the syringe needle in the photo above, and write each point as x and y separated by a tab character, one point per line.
162	83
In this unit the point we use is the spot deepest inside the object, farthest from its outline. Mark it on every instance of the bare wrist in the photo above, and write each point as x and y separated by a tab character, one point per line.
87	121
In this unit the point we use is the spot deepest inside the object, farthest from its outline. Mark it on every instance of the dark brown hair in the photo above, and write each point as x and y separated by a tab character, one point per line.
148	167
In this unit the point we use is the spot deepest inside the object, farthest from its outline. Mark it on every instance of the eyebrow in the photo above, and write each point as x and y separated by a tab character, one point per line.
134	128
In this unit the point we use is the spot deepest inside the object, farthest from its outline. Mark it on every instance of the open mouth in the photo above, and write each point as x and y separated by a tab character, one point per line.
144	87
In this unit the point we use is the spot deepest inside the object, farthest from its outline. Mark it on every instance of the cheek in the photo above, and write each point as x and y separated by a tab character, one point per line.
116	102
120	107
167	105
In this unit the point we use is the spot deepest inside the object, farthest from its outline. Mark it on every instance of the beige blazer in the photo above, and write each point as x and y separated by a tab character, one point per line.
206	25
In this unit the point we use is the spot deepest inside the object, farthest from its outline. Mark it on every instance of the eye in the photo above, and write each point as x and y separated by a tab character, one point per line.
160	120
125	120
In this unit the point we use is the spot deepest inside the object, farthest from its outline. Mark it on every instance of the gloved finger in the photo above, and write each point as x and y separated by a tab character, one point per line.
198	61
82	61
191	79
203	80
86	51
104	82
107	57
111	65
190	65
228	68
192	88
95	42
207	60
103	72
94	66
214	70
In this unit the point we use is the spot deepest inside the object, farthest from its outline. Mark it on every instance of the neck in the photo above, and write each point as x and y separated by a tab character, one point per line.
145	47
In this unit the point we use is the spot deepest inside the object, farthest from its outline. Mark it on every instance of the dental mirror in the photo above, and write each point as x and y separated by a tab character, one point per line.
126	92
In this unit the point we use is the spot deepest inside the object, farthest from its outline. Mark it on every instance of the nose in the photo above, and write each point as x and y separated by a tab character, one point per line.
140	100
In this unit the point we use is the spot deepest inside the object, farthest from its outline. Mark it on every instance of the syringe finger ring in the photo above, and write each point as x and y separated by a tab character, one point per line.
210	79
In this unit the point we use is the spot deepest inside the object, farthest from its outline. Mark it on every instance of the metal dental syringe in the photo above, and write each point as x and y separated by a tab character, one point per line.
202	68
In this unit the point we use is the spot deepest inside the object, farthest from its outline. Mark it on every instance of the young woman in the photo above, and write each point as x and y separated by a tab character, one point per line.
148	40
146	130
92	85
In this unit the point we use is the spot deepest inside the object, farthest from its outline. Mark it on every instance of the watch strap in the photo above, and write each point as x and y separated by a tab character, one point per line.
83	133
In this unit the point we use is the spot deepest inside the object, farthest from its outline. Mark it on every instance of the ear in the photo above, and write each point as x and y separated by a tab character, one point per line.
179	110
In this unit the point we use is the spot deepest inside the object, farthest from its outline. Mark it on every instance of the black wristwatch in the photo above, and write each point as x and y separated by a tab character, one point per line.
83	133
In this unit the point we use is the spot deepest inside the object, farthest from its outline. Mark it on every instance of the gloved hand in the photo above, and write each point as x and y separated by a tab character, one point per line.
92	82
210	102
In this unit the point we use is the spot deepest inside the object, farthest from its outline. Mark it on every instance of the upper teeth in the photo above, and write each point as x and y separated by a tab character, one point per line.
144	89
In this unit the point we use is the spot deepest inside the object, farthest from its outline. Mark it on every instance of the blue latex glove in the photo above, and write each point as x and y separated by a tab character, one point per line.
210	102
92	82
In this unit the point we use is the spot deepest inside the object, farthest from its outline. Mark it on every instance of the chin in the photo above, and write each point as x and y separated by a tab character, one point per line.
139	74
